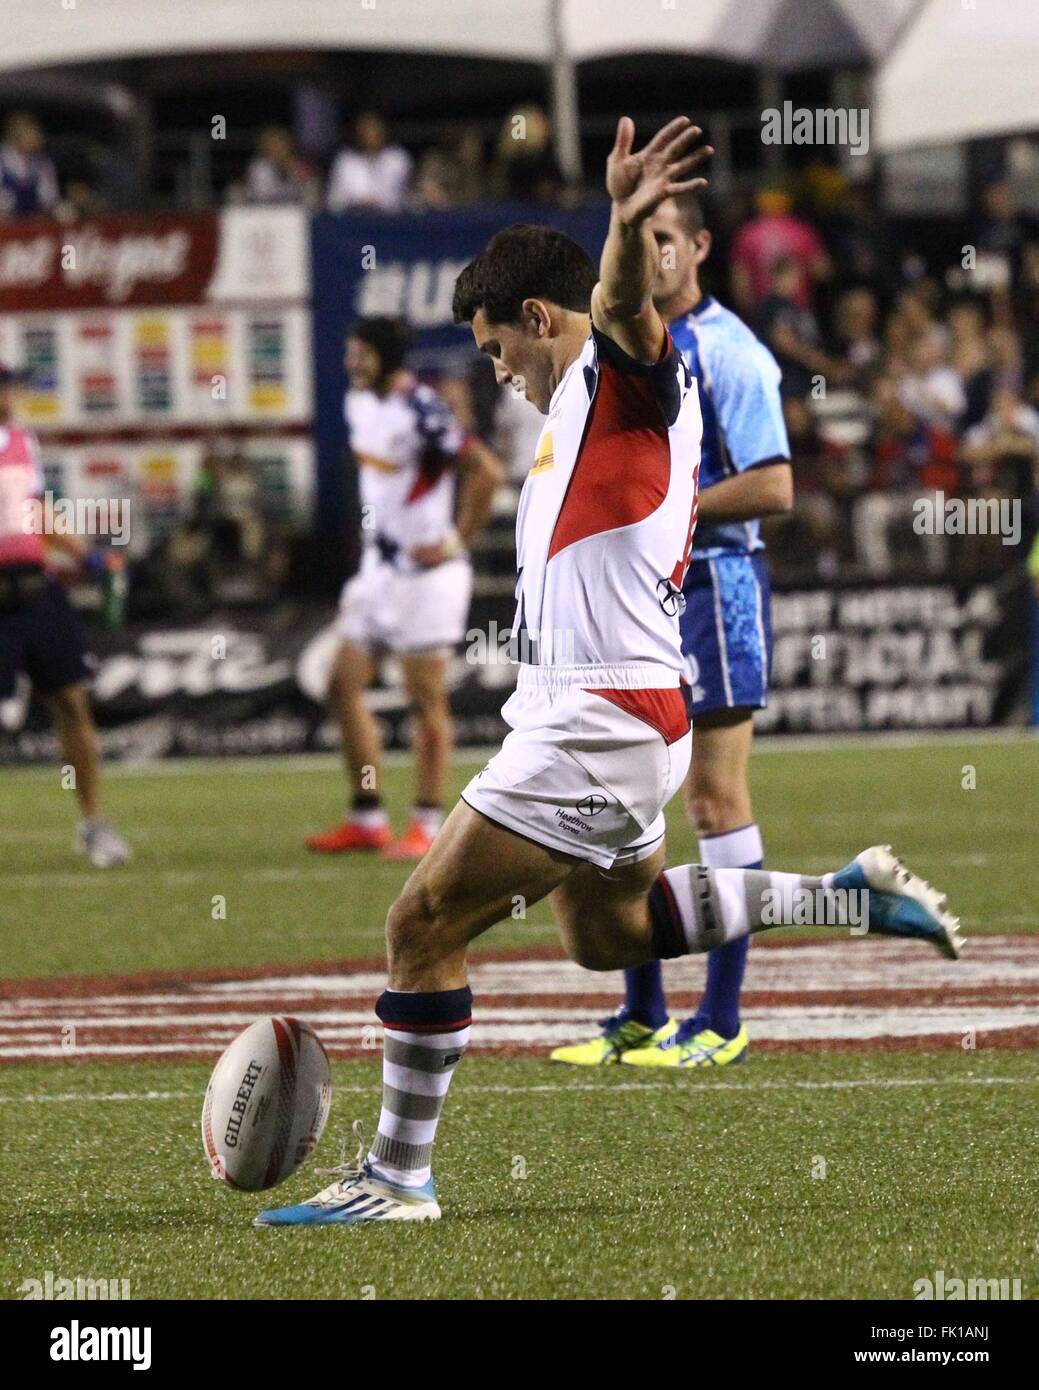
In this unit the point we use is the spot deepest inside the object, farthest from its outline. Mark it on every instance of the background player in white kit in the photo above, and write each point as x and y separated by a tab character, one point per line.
571	808
426	492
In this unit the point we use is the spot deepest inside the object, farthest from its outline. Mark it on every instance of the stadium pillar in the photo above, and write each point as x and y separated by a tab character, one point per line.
566	126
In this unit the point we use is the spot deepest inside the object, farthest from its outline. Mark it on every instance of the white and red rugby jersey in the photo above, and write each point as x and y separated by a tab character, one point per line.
606	516
21	480
407	445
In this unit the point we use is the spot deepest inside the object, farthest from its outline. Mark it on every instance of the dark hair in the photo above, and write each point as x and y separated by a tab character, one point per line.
524	262
390	338
690	213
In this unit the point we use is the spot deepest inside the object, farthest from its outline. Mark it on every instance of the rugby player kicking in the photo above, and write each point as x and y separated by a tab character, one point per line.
41	635
426	492
726	630
572	806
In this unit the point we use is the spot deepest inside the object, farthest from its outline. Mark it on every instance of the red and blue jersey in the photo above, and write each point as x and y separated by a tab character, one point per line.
606	515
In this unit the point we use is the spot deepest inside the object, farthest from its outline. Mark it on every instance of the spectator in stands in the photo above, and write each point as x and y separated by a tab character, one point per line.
790	329
813	536
855	324
1003	449
856	242
525	167
930	387
372	174
450	175
912	318
28	182
1002	233
1026	307
774	234
278	173
970	354
909	456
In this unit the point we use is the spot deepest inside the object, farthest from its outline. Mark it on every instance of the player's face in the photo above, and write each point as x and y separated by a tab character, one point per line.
362	363
521	356
679	252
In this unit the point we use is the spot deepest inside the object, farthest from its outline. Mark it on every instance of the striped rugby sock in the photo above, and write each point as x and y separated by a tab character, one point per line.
694	909
425	1036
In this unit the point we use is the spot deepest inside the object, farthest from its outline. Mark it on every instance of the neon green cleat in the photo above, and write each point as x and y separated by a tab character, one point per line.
703	1049
621	1037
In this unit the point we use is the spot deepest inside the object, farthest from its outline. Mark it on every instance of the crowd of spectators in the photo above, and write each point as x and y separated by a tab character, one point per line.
369	172
900	376
373	173
899	382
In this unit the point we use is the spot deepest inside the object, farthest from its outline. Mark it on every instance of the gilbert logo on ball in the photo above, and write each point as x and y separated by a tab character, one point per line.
266	1104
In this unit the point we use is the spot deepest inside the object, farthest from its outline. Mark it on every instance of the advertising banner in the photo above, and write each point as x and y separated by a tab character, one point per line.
146	342
404	266
855	660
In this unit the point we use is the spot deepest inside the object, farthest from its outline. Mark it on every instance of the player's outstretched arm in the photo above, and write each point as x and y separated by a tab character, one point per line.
622	303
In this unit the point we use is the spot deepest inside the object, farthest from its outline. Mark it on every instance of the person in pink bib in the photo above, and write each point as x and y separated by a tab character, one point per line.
40	634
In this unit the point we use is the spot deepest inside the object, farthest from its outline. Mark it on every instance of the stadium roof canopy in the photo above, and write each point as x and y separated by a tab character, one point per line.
783	34
960	72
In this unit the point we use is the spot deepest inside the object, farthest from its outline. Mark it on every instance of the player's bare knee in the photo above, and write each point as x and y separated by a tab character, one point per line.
414	923
430	708
70	704
714	809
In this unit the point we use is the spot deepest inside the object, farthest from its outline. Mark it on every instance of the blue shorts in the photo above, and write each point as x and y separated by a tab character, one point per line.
44	638
727	632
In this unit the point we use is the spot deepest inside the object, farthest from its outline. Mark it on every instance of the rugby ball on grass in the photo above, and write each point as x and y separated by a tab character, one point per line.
266	1104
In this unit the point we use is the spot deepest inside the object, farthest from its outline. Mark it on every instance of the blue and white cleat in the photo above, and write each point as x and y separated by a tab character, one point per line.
900	903
357	1195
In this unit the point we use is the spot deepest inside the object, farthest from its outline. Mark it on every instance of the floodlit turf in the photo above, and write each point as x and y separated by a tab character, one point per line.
682	1186
238	834
635	1186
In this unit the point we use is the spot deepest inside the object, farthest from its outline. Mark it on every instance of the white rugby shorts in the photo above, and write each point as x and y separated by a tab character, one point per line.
594	755
406	612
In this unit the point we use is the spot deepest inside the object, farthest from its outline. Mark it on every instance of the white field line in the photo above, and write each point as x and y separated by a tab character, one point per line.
947	1028
547	1088
1009	963
344	1025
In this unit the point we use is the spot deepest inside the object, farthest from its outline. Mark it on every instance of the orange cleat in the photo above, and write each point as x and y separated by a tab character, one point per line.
350	836
413	844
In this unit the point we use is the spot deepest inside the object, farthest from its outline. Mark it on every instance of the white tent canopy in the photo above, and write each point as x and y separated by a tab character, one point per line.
777	33
959	73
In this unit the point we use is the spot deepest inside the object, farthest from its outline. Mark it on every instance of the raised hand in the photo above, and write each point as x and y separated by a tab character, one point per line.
639	182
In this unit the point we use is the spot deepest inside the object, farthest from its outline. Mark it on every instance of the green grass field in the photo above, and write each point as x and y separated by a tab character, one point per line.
703	1185
238	832
698	1184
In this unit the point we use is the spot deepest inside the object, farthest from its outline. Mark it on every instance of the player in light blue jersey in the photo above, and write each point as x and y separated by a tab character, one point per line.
745	474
